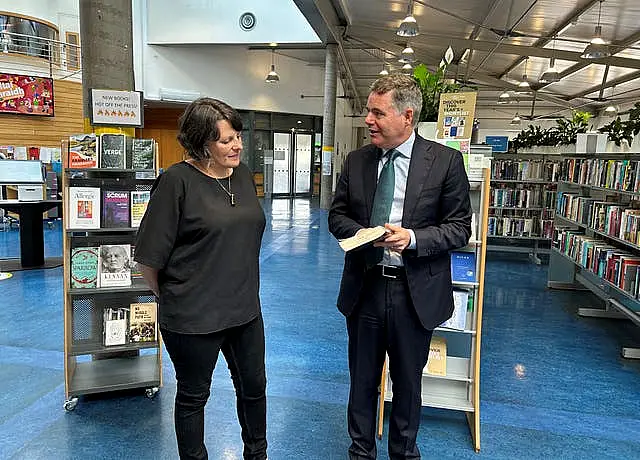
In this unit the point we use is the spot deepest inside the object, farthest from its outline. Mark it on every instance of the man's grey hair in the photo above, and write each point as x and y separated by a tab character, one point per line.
406	93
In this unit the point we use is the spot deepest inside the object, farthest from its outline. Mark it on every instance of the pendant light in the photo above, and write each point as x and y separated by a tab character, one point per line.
524	84
272	77
611	110
597	48
551	75
516	120
409	26
407	68
408	55
504	98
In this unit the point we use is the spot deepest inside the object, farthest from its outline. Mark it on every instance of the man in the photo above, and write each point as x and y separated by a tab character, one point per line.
395	293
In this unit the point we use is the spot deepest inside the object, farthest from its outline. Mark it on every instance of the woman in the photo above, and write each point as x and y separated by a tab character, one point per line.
198	246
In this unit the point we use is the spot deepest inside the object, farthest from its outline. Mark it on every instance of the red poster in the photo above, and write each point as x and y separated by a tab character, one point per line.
23	94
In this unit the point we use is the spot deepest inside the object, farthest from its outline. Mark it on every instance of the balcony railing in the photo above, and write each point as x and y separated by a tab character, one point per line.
56	54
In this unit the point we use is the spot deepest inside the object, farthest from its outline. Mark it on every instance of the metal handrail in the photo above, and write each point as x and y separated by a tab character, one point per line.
54	52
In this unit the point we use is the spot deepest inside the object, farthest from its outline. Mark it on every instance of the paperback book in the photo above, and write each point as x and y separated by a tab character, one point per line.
113	148
139	203
115	265
363	237
463	266
84	267
142	322
84	207
115	326
83	151
458	319
142	154
437	361
115	209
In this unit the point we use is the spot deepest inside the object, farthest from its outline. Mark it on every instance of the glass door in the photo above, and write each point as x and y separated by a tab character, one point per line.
292	160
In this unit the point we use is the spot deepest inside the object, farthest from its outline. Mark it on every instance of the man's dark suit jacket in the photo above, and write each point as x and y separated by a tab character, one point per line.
436	206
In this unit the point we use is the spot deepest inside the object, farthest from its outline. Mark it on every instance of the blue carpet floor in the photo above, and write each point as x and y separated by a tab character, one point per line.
553	385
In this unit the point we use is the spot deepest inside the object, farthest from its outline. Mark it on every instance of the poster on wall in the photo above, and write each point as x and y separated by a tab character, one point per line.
116	108
26	95
455	116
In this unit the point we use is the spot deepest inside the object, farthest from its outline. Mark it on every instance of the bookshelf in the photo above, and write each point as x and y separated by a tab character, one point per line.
90	365
522	203
595	243
459	389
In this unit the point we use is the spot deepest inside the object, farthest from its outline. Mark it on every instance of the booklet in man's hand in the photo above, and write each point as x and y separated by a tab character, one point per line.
363	237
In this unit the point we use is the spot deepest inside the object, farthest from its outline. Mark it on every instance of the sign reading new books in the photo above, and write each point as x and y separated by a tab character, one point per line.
116	108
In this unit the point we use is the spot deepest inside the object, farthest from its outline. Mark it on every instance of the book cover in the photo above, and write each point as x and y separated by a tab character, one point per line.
84	267
142	322
136	273
437	362
113	148
115	326
142	154
463	266
115	209
83	152
363	237
139	203
458	319
84	207
114	267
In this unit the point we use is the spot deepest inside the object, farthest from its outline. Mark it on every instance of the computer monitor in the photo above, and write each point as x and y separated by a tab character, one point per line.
17	172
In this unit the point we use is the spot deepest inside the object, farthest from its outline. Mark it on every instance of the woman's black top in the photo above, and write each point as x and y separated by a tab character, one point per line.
207	251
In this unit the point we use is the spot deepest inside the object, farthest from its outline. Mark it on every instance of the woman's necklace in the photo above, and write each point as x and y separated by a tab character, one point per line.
232	196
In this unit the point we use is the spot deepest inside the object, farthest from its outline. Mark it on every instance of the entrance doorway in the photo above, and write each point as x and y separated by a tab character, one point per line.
292	159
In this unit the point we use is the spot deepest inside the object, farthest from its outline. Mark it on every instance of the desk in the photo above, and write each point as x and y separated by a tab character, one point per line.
31	233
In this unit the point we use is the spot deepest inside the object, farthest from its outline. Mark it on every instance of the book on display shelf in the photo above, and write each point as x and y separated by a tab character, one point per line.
115	265
83	151
142	154
115	209
437	361
84	267
463	266
115	326
142	322
113	151
84	207
139	203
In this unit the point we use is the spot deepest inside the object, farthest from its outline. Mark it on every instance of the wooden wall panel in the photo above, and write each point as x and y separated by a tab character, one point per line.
161	124
47	131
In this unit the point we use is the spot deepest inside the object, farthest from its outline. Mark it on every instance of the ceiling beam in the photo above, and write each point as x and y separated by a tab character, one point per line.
368	33
541	42
610	83
324	9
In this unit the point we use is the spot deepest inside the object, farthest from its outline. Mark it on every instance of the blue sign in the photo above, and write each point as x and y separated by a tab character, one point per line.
499	144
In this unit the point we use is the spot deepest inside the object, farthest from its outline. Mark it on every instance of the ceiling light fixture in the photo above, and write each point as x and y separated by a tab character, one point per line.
516	120
409	26
504	95
524	84
407	55
611	110
272	77
407	68
597	48
551	75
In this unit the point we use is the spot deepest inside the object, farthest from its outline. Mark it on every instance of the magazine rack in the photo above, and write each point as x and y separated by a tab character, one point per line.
459	388
90	366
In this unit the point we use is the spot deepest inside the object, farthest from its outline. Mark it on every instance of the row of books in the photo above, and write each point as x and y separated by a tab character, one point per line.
612	218
608	262
107	265
525	170
613	174
120	208
520	227
107	150
132	324
523	197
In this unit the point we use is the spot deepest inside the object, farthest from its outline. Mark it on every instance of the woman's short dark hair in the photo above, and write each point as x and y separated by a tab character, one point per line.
198	125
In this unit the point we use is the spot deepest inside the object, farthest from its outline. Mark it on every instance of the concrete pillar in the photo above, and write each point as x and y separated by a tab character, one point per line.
107	52
329	124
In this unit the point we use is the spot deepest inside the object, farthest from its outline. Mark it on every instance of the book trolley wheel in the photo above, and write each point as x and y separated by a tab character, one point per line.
151	392
70	404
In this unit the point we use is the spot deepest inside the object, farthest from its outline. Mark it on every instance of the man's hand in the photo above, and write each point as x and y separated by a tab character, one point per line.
396	240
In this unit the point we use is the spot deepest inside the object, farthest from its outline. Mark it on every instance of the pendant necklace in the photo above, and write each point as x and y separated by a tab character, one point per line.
232	196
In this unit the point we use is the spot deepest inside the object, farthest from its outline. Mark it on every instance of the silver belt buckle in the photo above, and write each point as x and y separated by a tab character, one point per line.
387	275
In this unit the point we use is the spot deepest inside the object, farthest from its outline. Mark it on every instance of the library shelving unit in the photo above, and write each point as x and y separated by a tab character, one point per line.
595	244
522	203
459	389
90	366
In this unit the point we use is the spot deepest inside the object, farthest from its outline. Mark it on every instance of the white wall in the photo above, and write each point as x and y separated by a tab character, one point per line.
217	22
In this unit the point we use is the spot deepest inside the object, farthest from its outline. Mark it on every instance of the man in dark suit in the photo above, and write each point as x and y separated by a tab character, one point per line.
395	293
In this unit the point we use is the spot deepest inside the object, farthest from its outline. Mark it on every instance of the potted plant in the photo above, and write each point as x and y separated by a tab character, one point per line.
621	133
432	85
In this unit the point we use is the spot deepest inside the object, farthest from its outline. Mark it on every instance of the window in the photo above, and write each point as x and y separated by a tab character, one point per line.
73	50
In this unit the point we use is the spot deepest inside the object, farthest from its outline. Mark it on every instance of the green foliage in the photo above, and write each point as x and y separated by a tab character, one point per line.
619	130
565	132
432	84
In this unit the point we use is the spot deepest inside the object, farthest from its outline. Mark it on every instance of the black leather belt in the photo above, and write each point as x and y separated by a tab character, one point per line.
389	272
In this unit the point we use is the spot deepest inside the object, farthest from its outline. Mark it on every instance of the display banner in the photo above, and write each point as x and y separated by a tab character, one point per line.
26	95
116	108
455	116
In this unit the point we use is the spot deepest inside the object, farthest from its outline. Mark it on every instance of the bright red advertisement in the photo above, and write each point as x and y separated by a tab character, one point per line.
27	95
